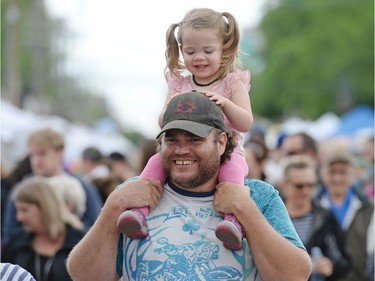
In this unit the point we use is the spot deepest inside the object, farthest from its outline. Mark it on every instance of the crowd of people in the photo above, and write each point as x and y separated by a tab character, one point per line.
213	200
47	209
328	193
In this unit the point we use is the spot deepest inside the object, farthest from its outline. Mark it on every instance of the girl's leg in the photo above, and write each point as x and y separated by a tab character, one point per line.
154	170
133	222
230	231
234	170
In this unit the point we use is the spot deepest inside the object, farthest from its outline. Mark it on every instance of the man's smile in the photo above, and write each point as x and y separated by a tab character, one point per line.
184	162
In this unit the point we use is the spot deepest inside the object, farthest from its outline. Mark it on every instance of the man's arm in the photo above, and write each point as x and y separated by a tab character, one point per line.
94	257
276	258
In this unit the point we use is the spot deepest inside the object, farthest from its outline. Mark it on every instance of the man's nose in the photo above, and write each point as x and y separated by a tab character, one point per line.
182	149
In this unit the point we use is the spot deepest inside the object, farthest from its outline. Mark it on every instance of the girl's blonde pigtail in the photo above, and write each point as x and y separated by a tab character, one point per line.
231	42
172	53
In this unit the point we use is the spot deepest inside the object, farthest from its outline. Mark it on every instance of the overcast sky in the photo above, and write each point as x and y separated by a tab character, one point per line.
118	47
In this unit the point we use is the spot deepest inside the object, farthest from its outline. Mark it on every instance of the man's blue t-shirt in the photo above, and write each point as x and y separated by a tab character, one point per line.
182	244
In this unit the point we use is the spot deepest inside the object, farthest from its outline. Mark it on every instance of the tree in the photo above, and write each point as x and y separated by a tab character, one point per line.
33	75
318	56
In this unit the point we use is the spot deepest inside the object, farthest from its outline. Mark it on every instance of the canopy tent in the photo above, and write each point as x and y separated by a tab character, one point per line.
359	118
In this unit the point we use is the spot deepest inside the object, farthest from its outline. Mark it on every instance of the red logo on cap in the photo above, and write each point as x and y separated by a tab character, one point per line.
185	107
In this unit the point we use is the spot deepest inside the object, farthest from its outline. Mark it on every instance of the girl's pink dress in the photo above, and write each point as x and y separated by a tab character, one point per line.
234	170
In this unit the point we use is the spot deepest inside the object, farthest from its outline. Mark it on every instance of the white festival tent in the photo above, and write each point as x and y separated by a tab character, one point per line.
17	124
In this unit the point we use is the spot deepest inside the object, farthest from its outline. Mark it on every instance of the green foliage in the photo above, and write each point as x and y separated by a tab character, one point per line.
318	56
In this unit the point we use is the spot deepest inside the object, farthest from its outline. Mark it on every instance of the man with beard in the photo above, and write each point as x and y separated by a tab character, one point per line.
184	212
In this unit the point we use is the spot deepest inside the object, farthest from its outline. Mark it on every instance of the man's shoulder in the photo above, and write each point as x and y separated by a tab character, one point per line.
256	186
261	191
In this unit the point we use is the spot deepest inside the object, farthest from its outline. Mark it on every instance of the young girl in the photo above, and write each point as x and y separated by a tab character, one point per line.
209	44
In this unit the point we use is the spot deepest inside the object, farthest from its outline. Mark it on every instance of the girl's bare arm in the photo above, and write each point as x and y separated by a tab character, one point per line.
237	109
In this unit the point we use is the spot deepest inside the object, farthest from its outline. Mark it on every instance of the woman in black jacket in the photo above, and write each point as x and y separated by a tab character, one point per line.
49	231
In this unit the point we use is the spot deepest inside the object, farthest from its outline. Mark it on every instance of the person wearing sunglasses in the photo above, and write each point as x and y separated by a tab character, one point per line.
317	227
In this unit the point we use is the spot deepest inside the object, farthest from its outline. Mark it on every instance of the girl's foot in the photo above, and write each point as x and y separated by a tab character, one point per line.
230	232
132	223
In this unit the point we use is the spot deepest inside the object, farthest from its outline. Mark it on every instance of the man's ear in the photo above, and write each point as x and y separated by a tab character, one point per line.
223	139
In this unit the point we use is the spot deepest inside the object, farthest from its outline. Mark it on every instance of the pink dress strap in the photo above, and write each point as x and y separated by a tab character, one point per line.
231	78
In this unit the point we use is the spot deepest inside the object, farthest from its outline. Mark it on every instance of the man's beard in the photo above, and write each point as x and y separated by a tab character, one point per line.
206	170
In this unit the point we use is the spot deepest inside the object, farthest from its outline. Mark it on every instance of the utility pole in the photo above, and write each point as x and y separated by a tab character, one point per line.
12	55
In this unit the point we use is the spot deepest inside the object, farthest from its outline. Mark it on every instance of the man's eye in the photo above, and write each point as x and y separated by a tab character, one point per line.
169	140
196	139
